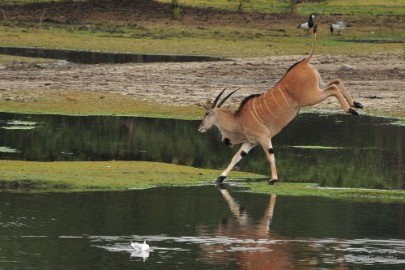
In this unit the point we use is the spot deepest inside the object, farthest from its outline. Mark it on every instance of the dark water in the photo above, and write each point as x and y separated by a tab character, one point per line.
197	228
92	57
332	150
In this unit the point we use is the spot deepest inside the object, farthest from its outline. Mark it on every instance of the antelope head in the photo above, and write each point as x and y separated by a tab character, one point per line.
211	111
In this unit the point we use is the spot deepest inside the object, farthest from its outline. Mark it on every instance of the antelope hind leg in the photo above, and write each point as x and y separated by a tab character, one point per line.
346	94
268	149
322	94
342	88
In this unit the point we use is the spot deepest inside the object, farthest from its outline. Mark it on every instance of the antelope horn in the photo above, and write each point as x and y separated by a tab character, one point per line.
217	98
225	98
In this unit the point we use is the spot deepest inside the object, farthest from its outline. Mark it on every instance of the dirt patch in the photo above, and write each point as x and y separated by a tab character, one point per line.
377	81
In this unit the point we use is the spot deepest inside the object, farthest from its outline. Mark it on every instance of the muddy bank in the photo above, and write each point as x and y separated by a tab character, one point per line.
377	81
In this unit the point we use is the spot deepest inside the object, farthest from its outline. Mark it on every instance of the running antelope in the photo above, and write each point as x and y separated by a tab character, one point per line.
262	116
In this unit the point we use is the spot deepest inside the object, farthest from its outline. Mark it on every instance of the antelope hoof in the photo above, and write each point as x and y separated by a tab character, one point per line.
272	181
352	111
219	180
358	105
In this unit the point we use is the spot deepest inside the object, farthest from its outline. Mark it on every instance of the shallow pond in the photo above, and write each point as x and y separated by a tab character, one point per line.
332	150
94	57
197	228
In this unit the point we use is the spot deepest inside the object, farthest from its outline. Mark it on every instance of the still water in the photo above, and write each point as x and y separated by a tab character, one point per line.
332	150
95	57
197	228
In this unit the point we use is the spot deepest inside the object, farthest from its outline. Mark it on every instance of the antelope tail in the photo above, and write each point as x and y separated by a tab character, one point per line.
313	42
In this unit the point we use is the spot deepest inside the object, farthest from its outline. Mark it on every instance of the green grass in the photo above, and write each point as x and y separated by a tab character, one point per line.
70	102
345	7
312	189
124	175
356	8
111	175
227	41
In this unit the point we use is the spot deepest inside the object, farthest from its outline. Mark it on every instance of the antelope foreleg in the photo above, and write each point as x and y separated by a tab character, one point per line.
243	151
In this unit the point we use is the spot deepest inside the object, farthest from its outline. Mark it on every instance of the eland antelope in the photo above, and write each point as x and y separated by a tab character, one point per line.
262	116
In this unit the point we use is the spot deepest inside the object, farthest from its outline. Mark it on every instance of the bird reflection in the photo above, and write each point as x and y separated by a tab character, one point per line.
144	254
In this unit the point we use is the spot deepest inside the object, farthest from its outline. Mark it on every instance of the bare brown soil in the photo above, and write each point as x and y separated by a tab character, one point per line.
378	82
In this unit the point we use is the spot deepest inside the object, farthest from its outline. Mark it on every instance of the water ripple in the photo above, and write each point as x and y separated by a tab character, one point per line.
327	251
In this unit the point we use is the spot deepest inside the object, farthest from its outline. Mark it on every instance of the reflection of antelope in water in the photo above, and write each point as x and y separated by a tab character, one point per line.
260	117
244	227
256	246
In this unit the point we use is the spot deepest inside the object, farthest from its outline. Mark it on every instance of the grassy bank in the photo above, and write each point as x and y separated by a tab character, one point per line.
124	175
347	7
226	41
111	175
72	102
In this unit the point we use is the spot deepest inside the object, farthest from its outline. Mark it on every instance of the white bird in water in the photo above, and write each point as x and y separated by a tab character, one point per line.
140	247
308	25
338	26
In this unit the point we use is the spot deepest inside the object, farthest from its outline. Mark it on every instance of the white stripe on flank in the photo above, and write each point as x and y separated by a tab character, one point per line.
255	111
264	112
260	105
281	92
264	124
270	111
275	100
255	116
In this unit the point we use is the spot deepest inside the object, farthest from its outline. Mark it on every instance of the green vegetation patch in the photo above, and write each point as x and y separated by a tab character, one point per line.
71	102
313	189
111	175
124	175
358	7
316	147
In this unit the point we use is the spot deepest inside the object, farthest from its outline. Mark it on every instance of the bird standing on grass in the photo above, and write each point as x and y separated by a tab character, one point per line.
338	26
307	25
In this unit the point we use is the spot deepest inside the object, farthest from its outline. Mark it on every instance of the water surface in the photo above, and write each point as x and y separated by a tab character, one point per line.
95	57
332	150
197	228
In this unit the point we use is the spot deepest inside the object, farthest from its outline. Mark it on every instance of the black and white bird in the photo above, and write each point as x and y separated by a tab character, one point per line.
308	25
338	26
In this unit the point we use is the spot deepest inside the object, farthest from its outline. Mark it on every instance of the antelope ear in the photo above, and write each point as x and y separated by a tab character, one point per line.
206	105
